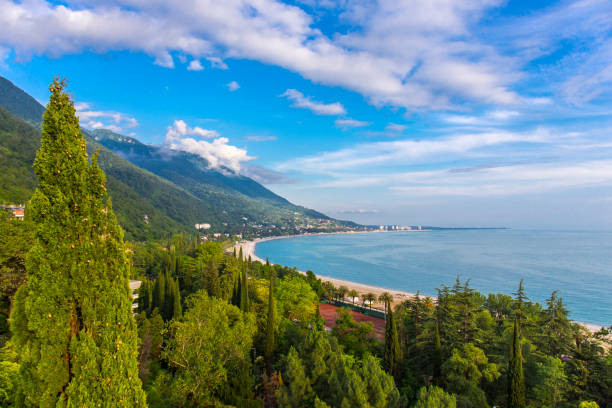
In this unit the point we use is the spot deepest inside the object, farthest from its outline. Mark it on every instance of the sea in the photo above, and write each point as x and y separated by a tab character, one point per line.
576	263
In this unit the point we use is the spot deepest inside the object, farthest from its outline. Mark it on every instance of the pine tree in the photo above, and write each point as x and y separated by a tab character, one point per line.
516	377
73	321
392	346
296	390
244	292
270	324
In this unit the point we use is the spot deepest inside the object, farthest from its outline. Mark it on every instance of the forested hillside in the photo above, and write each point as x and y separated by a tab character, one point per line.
161	192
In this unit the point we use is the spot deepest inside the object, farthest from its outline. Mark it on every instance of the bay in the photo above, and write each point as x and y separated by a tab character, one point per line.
577	263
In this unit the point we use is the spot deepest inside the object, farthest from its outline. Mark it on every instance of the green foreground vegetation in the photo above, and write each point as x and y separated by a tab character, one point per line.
215	329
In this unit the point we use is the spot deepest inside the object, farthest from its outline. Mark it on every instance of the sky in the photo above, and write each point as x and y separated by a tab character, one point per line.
451	113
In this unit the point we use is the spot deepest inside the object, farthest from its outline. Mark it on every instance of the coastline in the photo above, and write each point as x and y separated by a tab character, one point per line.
248	249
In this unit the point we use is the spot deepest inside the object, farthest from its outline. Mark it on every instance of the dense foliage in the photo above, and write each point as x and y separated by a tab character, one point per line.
216	329
74	311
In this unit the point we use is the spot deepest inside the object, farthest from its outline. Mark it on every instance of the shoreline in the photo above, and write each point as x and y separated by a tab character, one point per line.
248	249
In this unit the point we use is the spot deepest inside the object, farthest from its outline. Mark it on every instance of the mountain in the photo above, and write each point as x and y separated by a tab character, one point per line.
19	103
155	192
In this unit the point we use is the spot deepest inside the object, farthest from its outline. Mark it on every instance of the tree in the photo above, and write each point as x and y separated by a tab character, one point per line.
342	291
435	397
75	310
211	279
516	376
353	294
393	352
386	299
296	299
296	390
552	382
212	337
369	297
270	324
244	291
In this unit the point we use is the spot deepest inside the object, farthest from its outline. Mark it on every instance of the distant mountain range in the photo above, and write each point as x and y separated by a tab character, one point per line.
155	191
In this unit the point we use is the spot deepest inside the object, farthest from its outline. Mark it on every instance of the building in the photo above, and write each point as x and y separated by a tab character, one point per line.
18	211
134	286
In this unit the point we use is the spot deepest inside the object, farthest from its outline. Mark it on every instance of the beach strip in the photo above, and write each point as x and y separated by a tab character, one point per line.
248	249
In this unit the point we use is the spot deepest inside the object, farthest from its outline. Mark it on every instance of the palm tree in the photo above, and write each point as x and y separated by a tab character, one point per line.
386	299
370	297
342	291
353	294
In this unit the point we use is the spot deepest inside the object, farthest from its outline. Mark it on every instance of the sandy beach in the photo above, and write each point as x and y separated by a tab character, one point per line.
248	249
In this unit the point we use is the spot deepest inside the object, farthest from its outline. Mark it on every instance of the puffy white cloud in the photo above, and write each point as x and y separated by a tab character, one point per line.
301	101
218	153
233	86
411	54
195	65
348	123
95	119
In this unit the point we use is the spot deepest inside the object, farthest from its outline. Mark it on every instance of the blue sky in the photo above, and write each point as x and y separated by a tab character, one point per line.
438	112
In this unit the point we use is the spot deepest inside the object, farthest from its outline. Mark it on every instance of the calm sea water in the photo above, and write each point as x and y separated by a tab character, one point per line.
578	264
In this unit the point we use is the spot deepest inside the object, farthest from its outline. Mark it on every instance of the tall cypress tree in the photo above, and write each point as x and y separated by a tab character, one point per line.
177	309
271	323
393	353
516	377
159	293
73	321
244	291
437	353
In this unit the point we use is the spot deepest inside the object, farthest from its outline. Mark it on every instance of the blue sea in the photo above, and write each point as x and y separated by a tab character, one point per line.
577	263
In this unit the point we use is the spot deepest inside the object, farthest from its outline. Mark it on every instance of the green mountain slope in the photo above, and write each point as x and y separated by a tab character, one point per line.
156	193
19	103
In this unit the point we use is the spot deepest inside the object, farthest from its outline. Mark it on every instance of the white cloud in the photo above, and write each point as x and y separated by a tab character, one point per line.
413	54
358	211
217	62
93	119
233	86
195	65
349	123
395	127
218	153
405	152
301	101
181	129
259	138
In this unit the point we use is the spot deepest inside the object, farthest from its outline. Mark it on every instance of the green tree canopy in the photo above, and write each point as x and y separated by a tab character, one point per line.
72	321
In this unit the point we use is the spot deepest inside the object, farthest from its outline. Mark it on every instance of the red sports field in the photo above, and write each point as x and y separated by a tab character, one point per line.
328	312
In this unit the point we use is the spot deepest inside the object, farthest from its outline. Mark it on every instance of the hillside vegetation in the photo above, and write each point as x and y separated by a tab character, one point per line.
158	192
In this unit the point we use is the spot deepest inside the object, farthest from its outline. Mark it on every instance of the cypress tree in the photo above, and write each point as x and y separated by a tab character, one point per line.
72	321
159	293
213	285
392	346
244	292
437	353
516	377
177	309
270	324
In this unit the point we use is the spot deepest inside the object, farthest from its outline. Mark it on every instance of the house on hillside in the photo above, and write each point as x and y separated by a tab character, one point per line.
18	211
134	286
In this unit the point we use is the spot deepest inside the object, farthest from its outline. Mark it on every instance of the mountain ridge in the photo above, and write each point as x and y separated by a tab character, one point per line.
155	192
